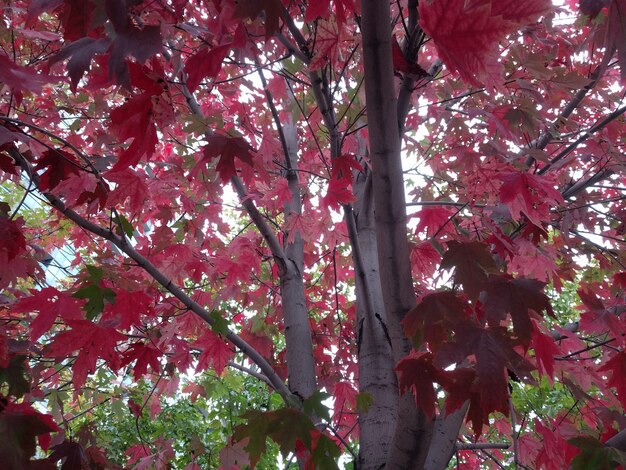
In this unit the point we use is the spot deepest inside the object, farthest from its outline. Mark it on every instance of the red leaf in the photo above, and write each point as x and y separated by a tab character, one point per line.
545	350
76	18
528	194
72	454
339	193
617	366
401	64
18	77
467	33
517	297
434	317
215	352
59	166
130	40
417	374
129	185
320	8
50	303
253	8
345	395
227	149
134	120
145	355
326	42
591	8
433	219
20	424
495	353
597	319
80	54
15	261
616	35
205	63
92	341
472	262
128	308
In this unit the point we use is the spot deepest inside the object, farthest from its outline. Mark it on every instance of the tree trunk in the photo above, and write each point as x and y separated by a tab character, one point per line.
412	436
376	366
300	360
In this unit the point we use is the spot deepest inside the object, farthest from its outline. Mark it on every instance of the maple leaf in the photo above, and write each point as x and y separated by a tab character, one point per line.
466	34
94	292
615	39
417	373
324	452
494	352
253	8
545	351
233	454
145	355
227	149
517	297
597	319
129	186
129	40
126	307
326	43
215	352
285	426
320	8
594	454
591	8
531	195
205	63
76	18
92	341
472	262
401	64
59	165
18	77
80	53
339	188
433	219
50	303
617	366
434	318
20	425
134	120
13	374
72	454
14	260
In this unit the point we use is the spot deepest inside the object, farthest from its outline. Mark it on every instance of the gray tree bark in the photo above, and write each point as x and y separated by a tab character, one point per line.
413	430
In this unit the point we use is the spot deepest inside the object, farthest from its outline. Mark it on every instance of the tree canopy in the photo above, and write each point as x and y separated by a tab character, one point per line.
317	234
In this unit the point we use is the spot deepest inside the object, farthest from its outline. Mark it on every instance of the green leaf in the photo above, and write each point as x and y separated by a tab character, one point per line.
95	273
285	427
313	405
325	454
95	296
594	454
14	376
126	226
364	401
220	324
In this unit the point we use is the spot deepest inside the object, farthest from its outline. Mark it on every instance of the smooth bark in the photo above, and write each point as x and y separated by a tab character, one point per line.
300	360
376	373
412	435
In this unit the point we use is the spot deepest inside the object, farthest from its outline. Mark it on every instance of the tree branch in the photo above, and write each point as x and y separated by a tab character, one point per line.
608	119
123	245
546	136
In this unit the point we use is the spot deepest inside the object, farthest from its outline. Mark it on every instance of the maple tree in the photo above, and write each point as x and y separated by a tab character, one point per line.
234	232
